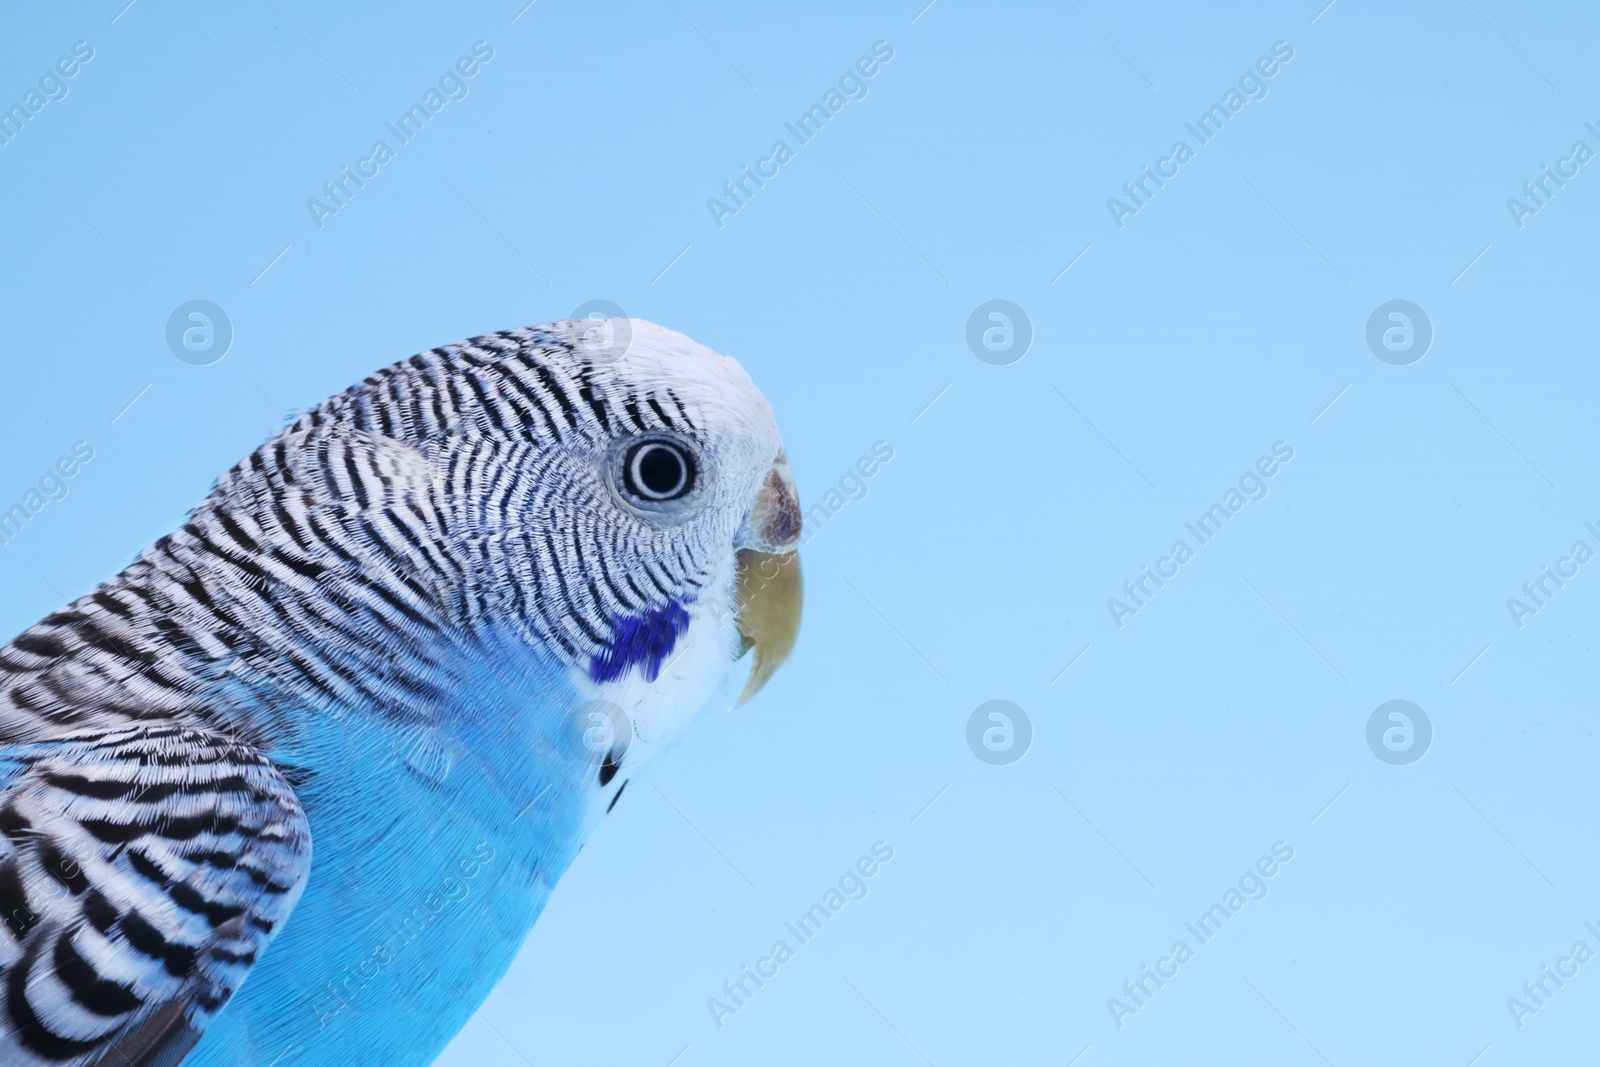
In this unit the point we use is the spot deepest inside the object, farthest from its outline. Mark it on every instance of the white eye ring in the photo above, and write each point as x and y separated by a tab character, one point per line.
657	471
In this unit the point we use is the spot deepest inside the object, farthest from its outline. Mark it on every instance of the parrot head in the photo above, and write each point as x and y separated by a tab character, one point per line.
612	497
628	491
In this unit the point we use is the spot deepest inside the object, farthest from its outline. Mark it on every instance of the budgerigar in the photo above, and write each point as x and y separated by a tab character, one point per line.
293	787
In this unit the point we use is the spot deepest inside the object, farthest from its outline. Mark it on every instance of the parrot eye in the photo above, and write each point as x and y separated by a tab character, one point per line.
656	471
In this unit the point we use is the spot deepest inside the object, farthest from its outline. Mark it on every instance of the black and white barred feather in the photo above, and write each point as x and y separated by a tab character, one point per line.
142	870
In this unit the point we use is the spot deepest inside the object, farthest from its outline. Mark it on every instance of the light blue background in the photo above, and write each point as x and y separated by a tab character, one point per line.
1221	319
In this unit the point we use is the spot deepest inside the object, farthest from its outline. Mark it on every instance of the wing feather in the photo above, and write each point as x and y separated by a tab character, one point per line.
143	870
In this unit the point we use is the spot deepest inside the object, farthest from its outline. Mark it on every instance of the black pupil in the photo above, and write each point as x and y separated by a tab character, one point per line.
661	470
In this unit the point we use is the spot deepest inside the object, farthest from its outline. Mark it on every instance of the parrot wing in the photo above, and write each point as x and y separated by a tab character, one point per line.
142	872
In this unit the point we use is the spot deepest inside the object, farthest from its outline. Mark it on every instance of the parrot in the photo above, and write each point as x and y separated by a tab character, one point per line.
293	787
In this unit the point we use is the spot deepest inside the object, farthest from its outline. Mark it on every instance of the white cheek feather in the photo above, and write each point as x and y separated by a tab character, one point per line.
699	674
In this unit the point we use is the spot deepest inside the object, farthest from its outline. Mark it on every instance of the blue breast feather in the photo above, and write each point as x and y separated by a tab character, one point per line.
394	943
644	640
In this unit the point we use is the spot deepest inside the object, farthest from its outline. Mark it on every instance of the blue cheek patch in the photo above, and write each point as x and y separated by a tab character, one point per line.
642	641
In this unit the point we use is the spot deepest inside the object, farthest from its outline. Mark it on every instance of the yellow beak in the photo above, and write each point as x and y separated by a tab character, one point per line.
769	591
770	596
